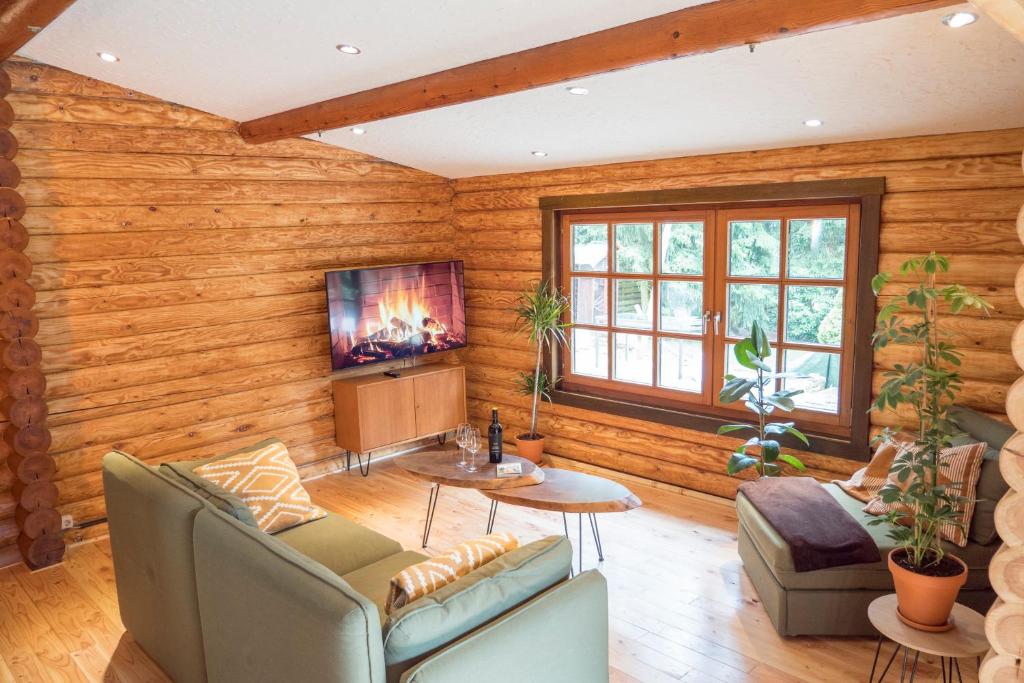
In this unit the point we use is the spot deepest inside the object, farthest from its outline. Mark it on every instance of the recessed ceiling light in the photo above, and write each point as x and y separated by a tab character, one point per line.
358	131
814	123
577	90
348	49
108	57
539	154
959	19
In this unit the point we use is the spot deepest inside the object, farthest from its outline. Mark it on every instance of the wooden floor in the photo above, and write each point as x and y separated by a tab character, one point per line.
681	606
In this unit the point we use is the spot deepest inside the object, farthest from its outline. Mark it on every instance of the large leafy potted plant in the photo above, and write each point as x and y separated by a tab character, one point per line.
539	315
927	579
762	451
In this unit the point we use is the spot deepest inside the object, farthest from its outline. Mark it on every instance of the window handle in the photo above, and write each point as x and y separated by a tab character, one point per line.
718	318
706	318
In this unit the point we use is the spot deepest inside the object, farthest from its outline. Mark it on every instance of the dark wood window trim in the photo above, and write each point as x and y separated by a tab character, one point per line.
866	192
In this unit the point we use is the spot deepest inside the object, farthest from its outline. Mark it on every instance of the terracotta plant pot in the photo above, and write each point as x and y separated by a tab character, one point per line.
531	449
925	601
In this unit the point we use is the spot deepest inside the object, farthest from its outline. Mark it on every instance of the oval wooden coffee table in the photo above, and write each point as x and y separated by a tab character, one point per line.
440	469
965	639
568	492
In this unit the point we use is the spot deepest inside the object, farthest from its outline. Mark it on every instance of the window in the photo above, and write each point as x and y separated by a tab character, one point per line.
660	296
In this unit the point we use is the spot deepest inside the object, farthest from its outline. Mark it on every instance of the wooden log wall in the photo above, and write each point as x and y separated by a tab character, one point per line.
958	194
178	274
1004	623
26	437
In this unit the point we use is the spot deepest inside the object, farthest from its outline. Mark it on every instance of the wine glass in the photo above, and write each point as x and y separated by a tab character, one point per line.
460	439
472	445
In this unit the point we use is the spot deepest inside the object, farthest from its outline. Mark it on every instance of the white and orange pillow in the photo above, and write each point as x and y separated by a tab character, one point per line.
268	482
430	575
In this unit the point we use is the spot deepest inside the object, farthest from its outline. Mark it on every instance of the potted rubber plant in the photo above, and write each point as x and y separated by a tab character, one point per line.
920	499
761	451
539	315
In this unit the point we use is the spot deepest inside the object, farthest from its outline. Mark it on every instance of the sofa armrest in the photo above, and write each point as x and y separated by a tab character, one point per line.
560	635
270	614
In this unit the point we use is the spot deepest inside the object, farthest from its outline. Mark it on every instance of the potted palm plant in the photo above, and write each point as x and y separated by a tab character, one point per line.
539	315
762	451
927	579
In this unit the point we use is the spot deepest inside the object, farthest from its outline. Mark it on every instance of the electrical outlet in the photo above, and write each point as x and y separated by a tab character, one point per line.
66	522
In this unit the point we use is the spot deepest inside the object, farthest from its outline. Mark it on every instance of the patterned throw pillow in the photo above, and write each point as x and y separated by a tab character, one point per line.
865	483
959	467
268	482
428	576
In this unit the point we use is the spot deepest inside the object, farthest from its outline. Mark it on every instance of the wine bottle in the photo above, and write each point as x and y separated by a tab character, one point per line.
494	437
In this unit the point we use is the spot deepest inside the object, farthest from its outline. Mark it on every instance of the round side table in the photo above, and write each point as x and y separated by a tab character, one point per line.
965	639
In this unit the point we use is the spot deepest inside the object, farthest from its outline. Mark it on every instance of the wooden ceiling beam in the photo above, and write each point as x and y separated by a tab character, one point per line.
1007	13
20	20
695	30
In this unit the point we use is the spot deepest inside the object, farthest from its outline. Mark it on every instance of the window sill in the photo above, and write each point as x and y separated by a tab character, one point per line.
824	444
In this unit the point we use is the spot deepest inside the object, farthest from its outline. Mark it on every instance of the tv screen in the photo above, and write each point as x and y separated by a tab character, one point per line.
394	312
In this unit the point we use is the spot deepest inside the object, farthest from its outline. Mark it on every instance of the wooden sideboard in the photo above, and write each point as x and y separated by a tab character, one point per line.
376	411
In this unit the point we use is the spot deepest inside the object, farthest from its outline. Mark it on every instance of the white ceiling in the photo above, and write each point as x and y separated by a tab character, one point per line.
246	58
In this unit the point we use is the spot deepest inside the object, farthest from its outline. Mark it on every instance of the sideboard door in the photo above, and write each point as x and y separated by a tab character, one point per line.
440	401
387	413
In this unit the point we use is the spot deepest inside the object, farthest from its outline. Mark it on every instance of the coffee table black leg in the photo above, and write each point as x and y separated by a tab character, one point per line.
431	505
903	668
913	672
580	520
565	525
597	536
492	515
959	676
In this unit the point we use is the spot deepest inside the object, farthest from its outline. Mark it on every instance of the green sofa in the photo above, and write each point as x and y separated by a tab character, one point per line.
211	598
834	601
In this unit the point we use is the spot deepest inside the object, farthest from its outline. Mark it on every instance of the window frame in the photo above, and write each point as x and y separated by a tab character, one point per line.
611	276
845	434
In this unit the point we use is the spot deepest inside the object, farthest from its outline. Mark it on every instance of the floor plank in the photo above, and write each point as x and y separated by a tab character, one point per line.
681	606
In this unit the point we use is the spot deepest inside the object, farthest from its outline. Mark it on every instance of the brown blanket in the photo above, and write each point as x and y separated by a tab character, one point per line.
819	532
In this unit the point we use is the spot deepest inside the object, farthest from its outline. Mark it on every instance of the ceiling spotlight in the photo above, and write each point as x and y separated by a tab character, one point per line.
577	90
348	49
539	154
358	131
814	123
108	57
959	19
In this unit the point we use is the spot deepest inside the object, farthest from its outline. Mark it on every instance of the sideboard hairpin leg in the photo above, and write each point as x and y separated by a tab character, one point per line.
364	472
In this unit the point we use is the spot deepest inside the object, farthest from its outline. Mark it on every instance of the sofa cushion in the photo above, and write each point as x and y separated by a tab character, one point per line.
338	543
874	576
981	426
183	473
374	580
424	625
991	485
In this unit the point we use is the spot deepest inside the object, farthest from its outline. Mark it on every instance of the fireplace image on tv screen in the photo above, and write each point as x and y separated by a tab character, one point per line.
395	312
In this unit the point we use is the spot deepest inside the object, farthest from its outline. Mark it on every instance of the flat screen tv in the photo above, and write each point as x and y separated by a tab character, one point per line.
395	312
